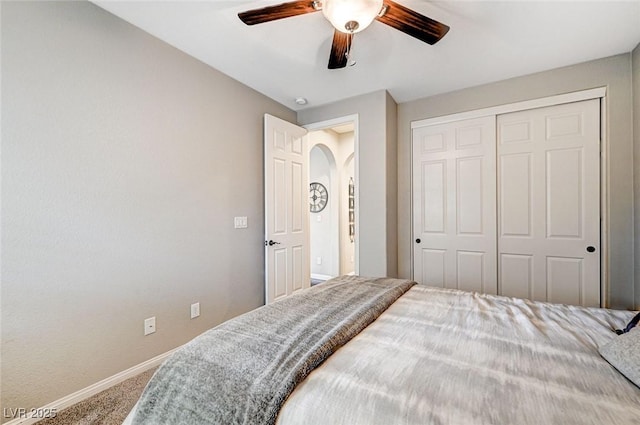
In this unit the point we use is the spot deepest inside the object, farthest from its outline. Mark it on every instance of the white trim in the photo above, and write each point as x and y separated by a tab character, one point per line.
321	276
604	205
334	122
354	118
93	389
514	107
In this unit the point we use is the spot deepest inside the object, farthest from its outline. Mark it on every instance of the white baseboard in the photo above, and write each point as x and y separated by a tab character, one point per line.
91	390
320	276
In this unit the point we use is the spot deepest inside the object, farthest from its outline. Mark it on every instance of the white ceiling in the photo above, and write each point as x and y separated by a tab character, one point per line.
488	41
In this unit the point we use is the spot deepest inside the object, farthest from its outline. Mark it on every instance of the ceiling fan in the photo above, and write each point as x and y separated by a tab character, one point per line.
349	17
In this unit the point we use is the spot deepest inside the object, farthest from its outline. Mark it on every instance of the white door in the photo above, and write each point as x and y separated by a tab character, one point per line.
454	225
286	208
549	203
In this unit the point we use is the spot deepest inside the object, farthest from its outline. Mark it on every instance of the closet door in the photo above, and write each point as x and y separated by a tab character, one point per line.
454	193
549	203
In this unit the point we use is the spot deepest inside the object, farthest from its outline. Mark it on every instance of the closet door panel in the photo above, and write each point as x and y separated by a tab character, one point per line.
470	273
434	196
469	212
564	193
433	270
549	202
516	275
454	205
565	280
515	195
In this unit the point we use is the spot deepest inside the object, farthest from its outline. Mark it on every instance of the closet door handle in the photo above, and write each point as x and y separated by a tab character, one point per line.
418	240
591	248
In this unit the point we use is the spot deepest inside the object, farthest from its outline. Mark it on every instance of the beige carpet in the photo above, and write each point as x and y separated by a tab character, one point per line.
110	407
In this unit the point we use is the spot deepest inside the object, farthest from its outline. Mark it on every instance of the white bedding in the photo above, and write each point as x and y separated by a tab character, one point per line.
439	356
447	357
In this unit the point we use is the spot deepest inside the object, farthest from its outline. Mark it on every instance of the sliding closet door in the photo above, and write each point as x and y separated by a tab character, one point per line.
454	205
549	203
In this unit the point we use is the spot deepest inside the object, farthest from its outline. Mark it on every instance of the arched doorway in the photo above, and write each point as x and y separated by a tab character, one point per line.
331	229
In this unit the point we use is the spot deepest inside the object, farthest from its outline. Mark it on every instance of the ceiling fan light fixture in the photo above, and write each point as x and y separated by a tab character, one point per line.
351	16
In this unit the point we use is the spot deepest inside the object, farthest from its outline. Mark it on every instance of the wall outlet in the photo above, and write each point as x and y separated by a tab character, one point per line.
150	325
195	310
318	260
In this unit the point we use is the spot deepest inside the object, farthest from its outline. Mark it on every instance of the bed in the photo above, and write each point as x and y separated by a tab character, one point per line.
387	351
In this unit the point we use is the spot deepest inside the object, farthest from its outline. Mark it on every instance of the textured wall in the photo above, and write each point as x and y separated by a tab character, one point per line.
124	162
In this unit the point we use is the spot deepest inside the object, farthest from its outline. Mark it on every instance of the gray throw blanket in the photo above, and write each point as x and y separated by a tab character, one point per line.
242	371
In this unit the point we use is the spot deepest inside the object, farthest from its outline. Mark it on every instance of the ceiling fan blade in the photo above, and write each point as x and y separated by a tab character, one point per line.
279	11
339	49
412	23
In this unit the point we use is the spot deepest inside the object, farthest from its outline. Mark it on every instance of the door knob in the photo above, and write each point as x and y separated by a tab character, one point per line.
591	248
418	240
271	243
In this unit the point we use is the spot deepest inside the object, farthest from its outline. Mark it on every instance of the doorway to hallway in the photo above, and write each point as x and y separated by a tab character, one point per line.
332	202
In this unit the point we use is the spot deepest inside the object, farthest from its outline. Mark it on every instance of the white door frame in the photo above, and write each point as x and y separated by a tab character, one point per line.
323	125
596	93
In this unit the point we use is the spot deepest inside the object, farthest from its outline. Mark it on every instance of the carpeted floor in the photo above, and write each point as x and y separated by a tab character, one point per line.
109	407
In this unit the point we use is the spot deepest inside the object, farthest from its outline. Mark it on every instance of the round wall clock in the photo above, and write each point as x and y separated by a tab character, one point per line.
318	197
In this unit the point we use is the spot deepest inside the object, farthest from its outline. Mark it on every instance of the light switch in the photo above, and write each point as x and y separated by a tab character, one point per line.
240	222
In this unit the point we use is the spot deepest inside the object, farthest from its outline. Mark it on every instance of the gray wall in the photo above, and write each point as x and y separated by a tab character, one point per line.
120	181
636	135
614	73
376	228
392	184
